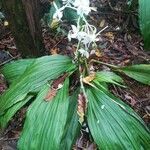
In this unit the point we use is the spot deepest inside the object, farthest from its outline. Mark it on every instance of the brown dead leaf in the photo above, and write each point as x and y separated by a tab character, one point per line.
131	99
56	85
110	35
89	78
102	23
81	107
98	53
125	62
59	81
54	51
51	94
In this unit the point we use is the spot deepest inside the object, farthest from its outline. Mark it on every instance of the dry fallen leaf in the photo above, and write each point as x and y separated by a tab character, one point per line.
54	51
56	85
51	94
110	35
81	107
98	53
102	23
89	78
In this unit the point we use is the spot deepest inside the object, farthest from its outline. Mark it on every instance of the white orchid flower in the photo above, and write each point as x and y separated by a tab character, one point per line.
87	35
59	12
83	7
91	36
81	36
73	33
84	53
58	15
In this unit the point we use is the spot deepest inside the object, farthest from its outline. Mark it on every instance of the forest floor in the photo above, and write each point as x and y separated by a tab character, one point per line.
120	44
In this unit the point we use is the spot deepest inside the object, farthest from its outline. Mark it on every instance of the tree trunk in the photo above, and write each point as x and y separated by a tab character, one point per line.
23	16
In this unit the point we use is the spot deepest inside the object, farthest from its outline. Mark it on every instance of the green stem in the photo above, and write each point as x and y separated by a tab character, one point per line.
103	63
86	66
82	87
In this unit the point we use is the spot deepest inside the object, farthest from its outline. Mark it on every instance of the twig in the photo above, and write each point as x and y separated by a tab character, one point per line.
8	139
103	30
3	63
58	43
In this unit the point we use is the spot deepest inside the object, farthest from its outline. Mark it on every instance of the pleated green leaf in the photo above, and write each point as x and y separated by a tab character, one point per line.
46	121
43	69
12	110
108	77
113	125
72	127
15	69
140	72
144	13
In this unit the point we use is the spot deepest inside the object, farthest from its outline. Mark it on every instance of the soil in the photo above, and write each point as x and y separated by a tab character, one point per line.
120	44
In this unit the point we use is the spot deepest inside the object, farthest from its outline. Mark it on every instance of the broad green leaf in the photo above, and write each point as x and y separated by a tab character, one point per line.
113	125
43	69
12	110
15	69
144	13
108	77
140	72
72	127
45	122
71	15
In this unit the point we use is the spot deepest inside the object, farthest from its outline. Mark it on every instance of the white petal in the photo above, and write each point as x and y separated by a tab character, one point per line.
74	28
84	52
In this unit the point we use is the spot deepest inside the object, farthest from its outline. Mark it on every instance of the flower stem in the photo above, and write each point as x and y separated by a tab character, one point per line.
86	66
82	87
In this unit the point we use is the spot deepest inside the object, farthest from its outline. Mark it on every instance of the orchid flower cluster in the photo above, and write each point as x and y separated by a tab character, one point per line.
85	33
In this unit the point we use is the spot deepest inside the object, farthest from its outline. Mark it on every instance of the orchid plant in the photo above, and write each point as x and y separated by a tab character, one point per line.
85	33
63	94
